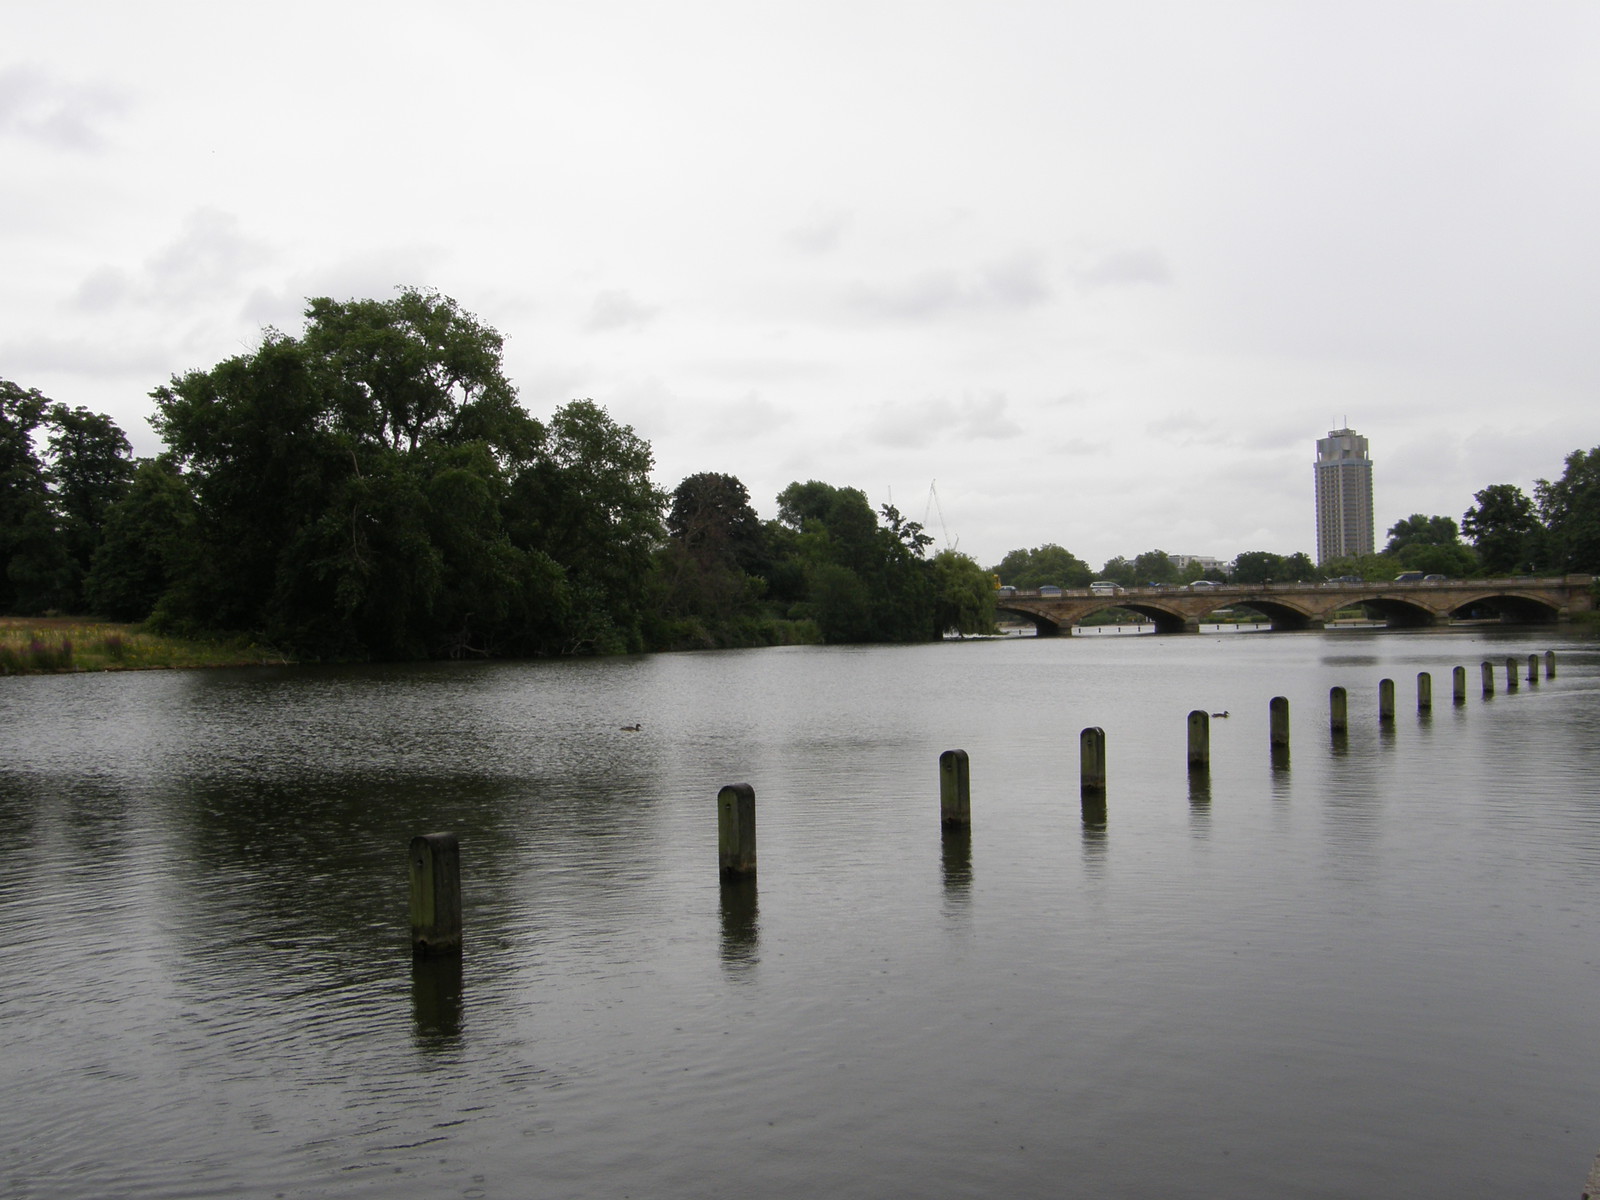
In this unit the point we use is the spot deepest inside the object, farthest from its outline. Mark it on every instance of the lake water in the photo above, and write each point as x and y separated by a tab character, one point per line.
1373	972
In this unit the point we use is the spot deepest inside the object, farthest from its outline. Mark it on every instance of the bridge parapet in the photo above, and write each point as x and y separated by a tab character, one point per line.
1175	608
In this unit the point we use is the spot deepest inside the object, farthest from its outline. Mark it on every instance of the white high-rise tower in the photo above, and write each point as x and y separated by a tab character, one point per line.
1344	496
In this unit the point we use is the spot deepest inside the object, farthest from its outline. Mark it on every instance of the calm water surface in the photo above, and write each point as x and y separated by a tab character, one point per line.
1373	971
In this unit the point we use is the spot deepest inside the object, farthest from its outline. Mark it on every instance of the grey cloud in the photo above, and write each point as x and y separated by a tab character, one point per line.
749	417
52	112
1124	268
102	289
821	234
89	356
1006	285
618	310
968	419
207	259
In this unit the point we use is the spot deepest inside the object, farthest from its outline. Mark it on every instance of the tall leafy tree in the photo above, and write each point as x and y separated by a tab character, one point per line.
147	547
35	570
1570	509
90	468
1503	526
1046	564
587	501
373	488
1419	530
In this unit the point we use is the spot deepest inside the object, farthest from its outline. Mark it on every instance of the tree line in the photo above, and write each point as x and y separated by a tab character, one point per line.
372	488
1557	531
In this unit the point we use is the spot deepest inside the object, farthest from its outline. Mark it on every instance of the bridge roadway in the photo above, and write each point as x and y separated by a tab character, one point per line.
1177	609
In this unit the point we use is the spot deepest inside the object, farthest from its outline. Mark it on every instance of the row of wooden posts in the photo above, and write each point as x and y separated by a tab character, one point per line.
436	857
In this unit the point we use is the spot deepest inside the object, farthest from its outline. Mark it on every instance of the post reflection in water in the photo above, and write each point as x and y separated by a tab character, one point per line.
956	865
741	923
436	1001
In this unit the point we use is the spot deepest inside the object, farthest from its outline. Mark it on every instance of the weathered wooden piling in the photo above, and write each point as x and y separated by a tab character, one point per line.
1278	712
1549	664
1385	701
1338	711
1092	760
736	829
1199	740
1511	674
435	894
1458	685
1487	670
1424	692
955	788
1533	668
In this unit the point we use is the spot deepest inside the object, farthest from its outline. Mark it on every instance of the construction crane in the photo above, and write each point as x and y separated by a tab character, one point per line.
933	506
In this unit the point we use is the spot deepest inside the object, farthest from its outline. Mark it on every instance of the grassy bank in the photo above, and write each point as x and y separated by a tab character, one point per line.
47	645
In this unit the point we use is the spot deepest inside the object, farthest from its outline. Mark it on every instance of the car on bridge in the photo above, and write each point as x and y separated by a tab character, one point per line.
1105	587
1049	589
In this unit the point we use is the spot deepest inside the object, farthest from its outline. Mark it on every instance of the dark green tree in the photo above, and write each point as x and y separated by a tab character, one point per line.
589	504
1299	568
1570	510
90	465
963	594
1259	566
147	547
1503	526
1419	530
35	569
1046	564
1154	566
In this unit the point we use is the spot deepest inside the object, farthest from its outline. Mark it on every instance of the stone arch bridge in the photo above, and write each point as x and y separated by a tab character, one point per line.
1177	609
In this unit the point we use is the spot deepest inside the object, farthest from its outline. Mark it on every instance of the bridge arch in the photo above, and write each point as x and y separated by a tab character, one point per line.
1511	607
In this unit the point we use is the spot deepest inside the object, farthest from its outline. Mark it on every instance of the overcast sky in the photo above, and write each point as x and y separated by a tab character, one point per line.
1102	272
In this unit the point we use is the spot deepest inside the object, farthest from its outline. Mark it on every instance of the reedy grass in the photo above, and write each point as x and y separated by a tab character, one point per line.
51	645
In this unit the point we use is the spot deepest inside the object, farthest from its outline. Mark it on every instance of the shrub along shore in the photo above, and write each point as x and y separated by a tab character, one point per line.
54	645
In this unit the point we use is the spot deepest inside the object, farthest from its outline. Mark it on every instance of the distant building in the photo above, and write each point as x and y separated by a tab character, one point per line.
1344	496
1204	561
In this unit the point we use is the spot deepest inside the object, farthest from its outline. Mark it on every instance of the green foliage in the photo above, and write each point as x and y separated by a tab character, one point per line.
1418	530
1263	566
147	545
1503	525
372	489
1046	564
1154	566
35	569
964	600
1570	510
859	580
1373	568
1454	561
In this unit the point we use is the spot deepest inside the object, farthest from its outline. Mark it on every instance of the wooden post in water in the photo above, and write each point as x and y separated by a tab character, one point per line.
736	829
1385	701
1092	760
1511	674
1549	664
1533	668
1458	685
435	894
955	788
1278	712
1487	670
1424	692
1199	740
1092	776
1338	711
